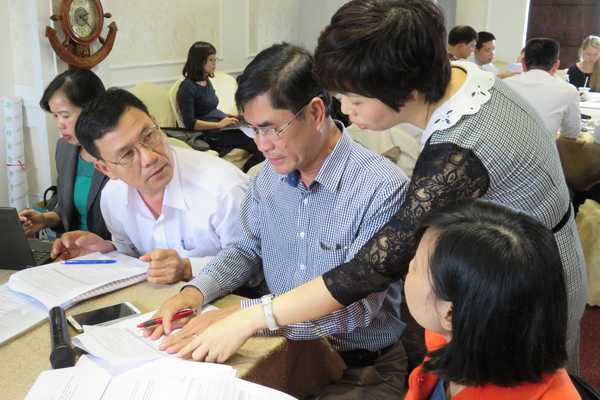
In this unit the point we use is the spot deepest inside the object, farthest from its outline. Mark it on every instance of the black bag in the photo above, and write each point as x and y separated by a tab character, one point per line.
193	138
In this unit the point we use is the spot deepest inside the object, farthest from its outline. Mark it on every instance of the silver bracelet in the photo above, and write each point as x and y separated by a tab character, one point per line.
267	306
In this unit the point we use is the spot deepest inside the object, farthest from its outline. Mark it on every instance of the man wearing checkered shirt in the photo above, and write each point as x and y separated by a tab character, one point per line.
319	198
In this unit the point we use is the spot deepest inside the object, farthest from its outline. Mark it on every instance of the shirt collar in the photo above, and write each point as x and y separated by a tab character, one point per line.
331	171
174	195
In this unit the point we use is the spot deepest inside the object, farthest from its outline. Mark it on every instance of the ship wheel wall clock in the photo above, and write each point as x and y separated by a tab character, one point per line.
81	22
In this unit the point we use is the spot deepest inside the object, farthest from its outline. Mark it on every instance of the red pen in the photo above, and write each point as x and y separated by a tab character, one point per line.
157	321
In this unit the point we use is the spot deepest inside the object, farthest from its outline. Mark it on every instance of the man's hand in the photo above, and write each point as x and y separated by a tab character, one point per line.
33	221
173	343
189	297
78	243
167	267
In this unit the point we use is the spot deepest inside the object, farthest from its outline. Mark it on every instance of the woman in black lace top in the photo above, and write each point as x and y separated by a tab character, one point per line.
387	60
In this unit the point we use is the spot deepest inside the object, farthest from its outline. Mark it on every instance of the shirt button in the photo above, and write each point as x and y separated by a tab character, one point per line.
302	235
305	201
302	267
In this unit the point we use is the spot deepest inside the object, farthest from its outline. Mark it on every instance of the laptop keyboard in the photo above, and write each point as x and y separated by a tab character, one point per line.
40	256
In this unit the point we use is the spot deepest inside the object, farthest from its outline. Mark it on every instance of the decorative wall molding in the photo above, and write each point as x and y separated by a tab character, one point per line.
169	80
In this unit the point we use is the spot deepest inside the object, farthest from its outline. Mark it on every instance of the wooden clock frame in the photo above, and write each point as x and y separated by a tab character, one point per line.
74	50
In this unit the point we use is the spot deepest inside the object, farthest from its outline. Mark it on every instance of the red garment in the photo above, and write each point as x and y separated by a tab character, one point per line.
556	386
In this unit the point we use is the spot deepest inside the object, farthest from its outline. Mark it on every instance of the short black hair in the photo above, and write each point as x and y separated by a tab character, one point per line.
502	271
286	72
102	115
484	37
80	86
385	49
196	60
461	34
541	53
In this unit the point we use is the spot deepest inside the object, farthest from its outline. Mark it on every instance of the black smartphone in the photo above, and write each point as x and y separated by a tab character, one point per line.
102	316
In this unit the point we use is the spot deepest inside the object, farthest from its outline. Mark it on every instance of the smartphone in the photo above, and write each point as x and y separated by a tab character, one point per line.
102	316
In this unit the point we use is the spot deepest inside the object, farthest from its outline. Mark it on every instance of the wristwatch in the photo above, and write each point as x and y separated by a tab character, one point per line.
267	306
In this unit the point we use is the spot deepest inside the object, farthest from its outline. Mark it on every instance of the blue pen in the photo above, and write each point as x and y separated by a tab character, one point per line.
89	261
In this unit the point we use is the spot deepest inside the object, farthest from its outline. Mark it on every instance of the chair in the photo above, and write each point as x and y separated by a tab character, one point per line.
585	390
156	98
173	101
178	143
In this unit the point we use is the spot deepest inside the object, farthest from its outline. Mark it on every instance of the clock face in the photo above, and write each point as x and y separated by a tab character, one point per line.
83	18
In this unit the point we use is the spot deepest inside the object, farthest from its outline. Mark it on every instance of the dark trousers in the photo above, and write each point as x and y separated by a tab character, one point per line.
225	141
384	379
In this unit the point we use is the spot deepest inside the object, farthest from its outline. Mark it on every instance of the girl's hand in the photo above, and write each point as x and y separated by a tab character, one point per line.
222	339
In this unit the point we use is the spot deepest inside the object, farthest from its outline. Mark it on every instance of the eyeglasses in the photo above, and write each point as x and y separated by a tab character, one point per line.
270	131
150	138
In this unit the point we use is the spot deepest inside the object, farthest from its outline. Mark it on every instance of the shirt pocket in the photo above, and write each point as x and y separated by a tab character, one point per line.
332	250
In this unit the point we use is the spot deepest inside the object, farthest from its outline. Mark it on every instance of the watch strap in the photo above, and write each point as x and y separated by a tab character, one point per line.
267	306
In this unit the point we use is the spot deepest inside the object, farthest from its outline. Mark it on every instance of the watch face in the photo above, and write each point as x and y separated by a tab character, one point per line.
83	17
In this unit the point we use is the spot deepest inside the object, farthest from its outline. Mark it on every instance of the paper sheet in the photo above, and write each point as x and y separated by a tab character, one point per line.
60	284
158	380
18	313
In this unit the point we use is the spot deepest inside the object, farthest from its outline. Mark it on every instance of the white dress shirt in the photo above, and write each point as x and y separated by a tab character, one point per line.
556	101
200	213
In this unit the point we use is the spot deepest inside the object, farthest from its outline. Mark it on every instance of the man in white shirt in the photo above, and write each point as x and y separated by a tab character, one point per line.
556	101
483	56
171	206
461	42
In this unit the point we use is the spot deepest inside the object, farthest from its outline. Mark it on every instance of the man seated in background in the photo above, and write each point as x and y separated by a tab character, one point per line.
166	204
461	42
485	50
319	198
556	101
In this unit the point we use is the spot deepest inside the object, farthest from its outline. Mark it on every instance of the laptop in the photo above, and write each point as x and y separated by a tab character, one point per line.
18	252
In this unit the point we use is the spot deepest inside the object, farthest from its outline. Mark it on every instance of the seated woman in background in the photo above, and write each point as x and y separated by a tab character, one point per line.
487	285
79	183
197	102
586	72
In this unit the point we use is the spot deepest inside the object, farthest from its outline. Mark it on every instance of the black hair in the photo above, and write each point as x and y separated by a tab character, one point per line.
102	115
385	49
196	60
541	53
286	72
461	34
502	271
484	37
79	86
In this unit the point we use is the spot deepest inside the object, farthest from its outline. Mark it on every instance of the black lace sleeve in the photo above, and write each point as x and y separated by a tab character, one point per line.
443	174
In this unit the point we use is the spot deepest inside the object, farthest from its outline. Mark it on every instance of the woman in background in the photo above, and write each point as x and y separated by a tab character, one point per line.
586	72
487	285
79	184
197	102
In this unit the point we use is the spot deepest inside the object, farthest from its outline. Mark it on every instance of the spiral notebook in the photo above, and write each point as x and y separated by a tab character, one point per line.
63	285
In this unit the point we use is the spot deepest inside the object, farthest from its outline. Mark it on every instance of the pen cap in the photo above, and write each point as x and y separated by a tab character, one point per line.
62	354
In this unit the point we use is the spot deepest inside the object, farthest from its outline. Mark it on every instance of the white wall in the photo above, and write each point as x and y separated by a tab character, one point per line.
506	19
314	16
6	89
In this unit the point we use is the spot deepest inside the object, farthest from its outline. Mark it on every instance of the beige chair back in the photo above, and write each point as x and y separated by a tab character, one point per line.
225	86
173	100
156	98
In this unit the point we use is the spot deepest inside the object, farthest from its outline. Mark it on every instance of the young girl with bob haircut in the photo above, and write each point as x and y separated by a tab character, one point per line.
487	285
197	102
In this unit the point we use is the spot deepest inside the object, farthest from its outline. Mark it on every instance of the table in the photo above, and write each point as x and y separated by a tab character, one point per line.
299	368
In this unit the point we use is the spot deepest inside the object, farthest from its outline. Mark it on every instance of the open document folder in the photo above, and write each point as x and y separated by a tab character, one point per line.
63	285
18	313
165	378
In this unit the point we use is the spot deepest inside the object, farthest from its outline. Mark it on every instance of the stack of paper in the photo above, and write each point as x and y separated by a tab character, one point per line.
18	313
165	378
63	285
